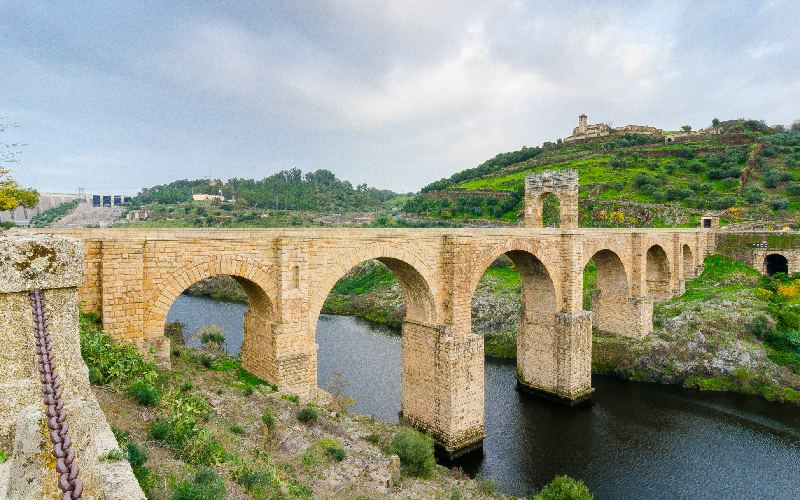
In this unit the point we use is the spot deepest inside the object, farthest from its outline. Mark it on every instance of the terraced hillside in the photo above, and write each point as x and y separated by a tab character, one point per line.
748	172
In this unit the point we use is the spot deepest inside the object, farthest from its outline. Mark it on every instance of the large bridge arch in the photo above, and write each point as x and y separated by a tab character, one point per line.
257	282
417	279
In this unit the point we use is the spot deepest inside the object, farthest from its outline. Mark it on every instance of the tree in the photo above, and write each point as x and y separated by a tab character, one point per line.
715	122
686	128
12	194
796	126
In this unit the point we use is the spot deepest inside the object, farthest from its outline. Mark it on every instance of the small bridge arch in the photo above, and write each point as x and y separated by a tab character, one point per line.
776	263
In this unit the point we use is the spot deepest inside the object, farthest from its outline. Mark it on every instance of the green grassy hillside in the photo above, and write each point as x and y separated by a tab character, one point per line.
749	172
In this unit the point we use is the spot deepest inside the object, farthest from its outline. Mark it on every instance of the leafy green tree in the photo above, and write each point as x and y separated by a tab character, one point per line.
12	194
686	128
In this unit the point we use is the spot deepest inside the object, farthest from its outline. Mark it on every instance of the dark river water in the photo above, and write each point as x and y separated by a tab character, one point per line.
635	440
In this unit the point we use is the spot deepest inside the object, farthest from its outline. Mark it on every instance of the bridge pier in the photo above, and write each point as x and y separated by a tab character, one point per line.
443	386
564	341
621	315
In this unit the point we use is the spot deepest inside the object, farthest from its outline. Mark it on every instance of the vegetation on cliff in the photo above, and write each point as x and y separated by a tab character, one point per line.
51	215
732	329
209	429
631	180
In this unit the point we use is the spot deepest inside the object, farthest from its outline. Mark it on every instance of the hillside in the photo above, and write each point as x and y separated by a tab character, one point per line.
287	198
746	171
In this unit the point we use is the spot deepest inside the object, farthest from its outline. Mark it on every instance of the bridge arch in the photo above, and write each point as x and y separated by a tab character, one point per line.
689	265
416	278
776	263
657	273
541	302
255	280
609	299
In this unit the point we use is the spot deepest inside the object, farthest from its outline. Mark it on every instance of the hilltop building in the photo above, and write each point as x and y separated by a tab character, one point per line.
584	130
208	197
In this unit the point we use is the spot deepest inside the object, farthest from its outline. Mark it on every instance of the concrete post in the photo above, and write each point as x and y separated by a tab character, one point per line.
53	265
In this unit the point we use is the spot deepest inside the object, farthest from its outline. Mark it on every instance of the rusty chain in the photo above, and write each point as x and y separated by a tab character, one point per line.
67	467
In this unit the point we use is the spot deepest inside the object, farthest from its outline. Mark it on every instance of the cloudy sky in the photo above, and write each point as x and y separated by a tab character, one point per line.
122	95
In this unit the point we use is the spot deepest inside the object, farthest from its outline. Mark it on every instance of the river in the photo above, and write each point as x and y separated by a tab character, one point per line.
635	440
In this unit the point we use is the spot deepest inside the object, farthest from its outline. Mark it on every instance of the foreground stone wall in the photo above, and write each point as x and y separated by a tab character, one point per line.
53	265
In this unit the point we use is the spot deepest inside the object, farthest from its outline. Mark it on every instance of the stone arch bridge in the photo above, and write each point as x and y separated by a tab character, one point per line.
132	276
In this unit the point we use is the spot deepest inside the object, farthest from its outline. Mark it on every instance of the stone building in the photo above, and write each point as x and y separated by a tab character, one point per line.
584	130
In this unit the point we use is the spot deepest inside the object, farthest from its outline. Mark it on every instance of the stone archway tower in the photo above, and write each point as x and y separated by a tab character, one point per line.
563	184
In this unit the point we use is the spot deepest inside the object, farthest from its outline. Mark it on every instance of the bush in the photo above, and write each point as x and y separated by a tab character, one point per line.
237	429
335	453
212	336
564	488
753	195
144	393
137	458
779	204
205	484
415	451
107	360
772	178
268	419
793	189
307	415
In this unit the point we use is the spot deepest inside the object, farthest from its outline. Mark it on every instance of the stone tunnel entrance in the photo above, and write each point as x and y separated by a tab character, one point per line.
776	263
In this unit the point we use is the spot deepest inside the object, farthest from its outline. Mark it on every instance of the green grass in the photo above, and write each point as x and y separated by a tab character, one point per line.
363	282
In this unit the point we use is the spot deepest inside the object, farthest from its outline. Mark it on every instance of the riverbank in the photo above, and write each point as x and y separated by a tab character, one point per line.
208	429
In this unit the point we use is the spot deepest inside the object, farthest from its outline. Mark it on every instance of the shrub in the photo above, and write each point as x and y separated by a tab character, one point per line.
137	458
144	393
564	488
3	457
237	429
107	360
294	398
205	484
793	189
374	438
754	195
336	454
415	451
268	419
780	204
307	415
212	336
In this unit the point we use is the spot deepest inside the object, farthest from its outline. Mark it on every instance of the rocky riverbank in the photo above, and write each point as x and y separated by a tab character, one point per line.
208	429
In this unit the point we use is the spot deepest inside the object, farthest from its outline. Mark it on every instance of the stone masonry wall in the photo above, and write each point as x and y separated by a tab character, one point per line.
53	265
135	275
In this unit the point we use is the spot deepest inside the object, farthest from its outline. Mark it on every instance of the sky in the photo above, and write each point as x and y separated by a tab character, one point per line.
116	96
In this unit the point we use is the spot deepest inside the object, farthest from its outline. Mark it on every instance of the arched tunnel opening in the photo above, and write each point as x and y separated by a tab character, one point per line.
776	263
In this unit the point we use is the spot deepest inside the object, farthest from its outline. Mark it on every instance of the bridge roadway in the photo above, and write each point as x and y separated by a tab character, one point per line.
132	277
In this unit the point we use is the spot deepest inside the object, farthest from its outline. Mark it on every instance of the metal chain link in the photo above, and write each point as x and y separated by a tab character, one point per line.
67	467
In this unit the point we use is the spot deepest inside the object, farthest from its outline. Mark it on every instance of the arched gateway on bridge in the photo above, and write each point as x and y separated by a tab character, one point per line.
133	275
